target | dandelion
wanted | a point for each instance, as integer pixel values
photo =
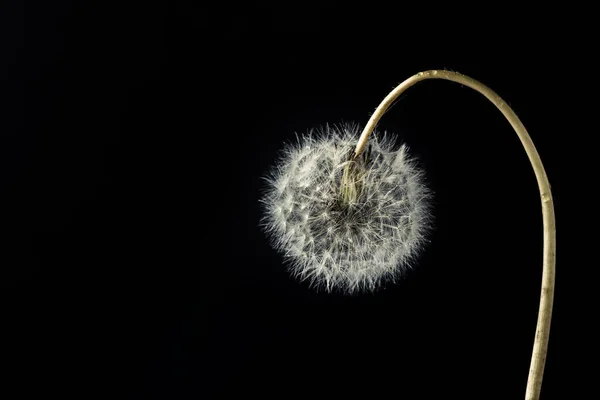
(350, 219)
(342, 222)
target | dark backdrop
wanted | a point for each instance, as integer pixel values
(134, 138)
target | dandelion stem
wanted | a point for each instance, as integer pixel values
(540, 345)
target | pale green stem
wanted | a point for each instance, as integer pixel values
(540, 345)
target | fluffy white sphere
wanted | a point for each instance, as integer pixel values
(346, 231)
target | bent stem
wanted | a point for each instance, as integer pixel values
(540, 345)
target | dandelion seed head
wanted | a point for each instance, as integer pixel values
(345, 224)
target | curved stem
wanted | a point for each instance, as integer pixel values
(540, 345)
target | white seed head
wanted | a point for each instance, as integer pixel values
(345, 223)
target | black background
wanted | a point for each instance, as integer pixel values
(134, 138)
